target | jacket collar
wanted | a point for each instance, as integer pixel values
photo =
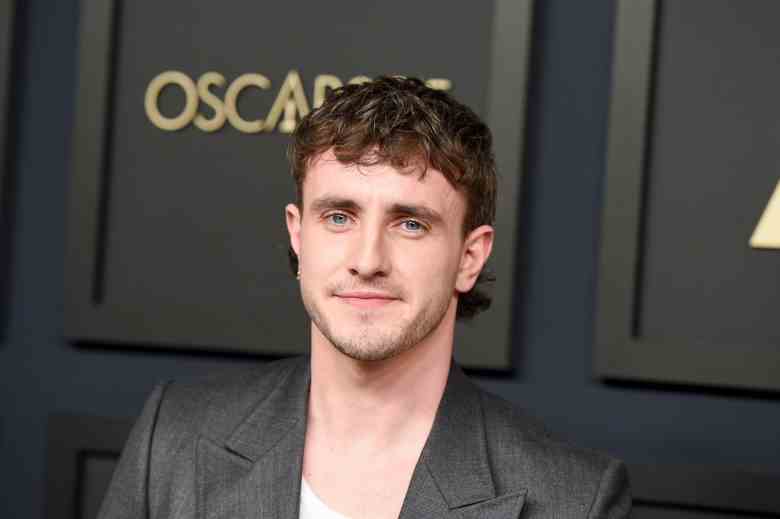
(256, 472)
(454, 464)
(456, 449)
(260, 466)
(281, 413)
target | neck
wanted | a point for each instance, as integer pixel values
(384, 403)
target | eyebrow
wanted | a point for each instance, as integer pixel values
(326, 203)
(417, 211)
(333, 202)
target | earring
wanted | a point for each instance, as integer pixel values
(298, 275)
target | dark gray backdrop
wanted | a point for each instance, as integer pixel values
(42, 374)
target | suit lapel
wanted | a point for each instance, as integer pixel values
(452, 478)
(257, 473)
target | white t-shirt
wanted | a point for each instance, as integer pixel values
(313, 508)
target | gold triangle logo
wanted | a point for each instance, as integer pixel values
(767, 232)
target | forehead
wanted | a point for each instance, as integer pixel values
(381, 184)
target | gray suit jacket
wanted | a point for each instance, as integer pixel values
(232, 448)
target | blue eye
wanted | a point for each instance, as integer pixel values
(337, 219)
(412, 225)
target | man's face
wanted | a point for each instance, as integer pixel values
(382, 255)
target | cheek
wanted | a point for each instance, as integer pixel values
(320, 252)
(432, 269)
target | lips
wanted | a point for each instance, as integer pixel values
(366, 299)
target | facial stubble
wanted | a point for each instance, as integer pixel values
(373, 338)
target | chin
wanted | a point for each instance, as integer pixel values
(366, 355)
(370, 345)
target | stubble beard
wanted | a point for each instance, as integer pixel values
(374, 339)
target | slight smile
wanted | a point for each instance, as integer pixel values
(366, 299)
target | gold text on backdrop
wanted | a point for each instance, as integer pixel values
(767, 232)
(289, 106)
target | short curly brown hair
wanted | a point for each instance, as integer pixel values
(404, 123)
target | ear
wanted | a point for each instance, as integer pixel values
(293, 216)
(476, 251)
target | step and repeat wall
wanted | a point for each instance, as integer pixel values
(175, 221)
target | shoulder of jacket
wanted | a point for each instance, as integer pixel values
(524, 446)
(213, 405)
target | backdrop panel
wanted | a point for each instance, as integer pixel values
(82, 452)
(692, 163)
(667, 491)
(176, 216)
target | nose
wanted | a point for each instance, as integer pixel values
(370, 256)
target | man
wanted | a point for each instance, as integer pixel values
(389, 235)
